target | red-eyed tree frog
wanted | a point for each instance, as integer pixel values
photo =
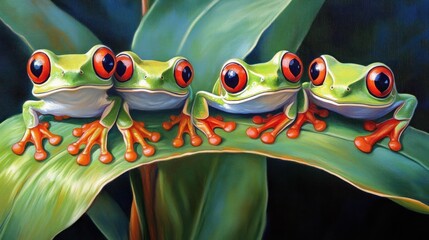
(150, 85)
(252, 89)
(358, 92)
(73, 85)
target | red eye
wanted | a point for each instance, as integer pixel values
(39, 67)
(291, 67)
(233, 77)
(379, 81)
(104, 62)
(317, 71)
(124, 68)
(183, 73)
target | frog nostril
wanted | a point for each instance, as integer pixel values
(331, 87)
(162, 77)
(145, 76)
(62, 73)
(81, 72)
(348, 89)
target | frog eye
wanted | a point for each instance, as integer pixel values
(317, 71)
(183, 73)
(291, 67)
(104, 62)
(124, 68)
(39, 67)
(233, 77)
(379, 81)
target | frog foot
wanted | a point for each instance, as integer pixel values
(60, 118)
(89, 135)
(208, 125)
(388, 128)
(185, 126)
(308, 116)
(137, 133)
(277, 122)
(36, 136)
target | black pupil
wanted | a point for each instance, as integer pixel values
(108, 63)
(231, 79)
(36, 67)
(186, 74)
(121, 68)
(382, 82)
(295, 67)
(314, 71)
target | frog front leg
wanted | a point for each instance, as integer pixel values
(184, 122)
(207, 123)
(392, 128)
(277, 122)
(307, 112)
(96, 133)
(36, 131)
(135, 132)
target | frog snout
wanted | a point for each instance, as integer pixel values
(340, 90)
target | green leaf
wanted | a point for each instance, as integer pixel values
(224, 197)
(208, 33)
(39, 199)
(108, 217)
(41, 24)
(289, 29)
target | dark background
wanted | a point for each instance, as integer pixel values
(304, 203)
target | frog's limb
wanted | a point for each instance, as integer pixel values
(306, 113)
(96, 133)
(277, 122)
(392, 128)
(36, 131)
(184, 122)
(135, 132)
(206, 123)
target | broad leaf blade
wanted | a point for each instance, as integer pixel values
(225, 198)
(41, 24)
(108, 216)
(289, 28)
(212, 31)
(58, 191)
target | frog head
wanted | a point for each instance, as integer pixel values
(346, 83)
(239, 80)
(52, 73)
(134, 74)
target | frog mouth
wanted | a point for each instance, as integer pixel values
(70, 89)
(135, 90)
(325, 101)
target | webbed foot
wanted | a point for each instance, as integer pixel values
(185, 126)
(387, 128)
(208, 125)
(277, 122)
(137, 133)
(308, 116)
(36, 135)
(89, 135)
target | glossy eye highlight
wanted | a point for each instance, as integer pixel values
(233, 77)
(183, 73)
(317, 71)
(39, 67)
(292, 67)
(104, 62)
(124, 68)
(380, 81)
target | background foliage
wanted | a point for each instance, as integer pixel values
(394, 32)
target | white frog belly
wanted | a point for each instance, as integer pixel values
(83, 103)
(357, 111)
(147, 100)
(264, 102)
